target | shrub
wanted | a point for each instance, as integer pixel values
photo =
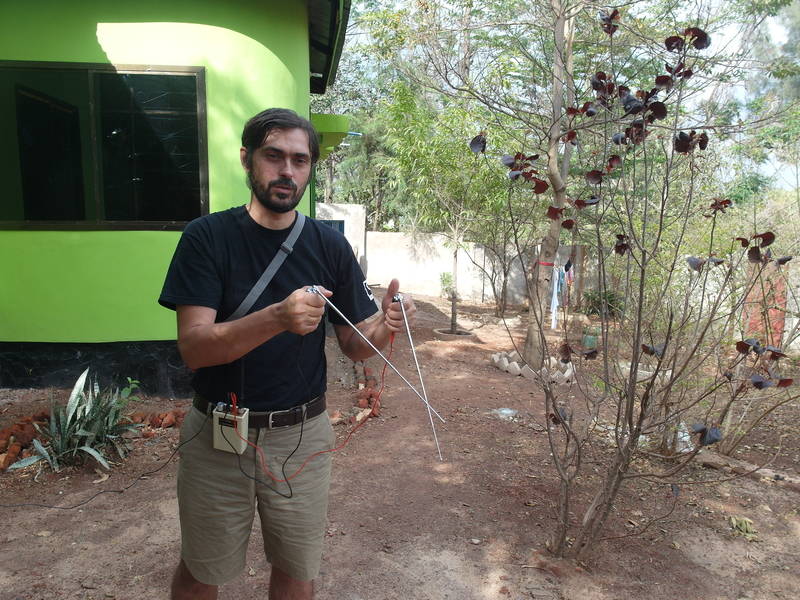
(91, 423)
(594, 302)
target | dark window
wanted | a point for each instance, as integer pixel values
(89, 146)
(49, 144)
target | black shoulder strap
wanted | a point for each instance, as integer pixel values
(263, 281)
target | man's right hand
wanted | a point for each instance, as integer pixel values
(302, 311)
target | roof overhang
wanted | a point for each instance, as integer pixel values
(327, 24)
(332, 129)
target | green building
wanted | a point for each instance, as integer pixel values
(119, 123)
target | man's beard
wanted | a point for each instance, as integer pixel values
(278, 202)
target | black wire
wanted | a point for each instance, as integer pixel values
(283, 466)
(127, 487)
(299, 440)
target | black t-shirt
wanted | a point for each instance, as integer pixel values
(218, 260)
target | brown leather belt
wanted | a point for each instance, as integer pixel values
(276, 418)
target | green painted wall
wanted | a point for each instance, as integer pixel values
(90, 286)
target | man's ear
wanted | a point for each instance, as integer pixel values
(243, 158)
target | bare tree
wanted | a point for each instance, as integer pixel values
(623, 168)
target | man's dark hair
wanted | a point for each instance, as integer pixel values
(257, 129)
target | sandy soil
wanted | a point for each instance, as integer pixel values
(402, 524)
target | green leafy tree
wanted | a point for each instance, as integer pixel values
(447, 185)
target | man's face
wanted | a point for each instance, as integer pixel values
(280, 169)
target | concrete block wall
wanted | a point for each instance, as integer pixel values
(418, 262)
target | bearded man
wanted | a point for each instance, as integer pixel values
(271, 359)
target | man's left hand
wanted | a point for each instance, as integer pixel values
(392, 313)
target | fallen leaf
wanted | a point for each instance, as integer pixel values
(102, 478)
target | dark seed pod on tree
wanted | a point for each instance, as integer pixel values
(708, 435)
(478, 143)
(508, 160)
(614, 161)
(754, 254)
(594, 177)
(720, 204)
(774, 353)
(695, 264)
(766, 238)
(598, 82)
(698, 38)
(621, 247)
(658, 110)
(674, 43)
(632, 105)
(760, 383)
(540, 186)
(591, 201)
(657, 351)
(664, 82)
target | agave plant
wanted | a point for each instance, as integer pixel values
(91, 423)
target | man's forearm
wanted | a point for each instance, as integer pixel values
(213, 344)
(204, 343)
(375, 330)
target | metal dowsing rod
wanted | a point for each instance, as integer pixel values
(399, 298)
(313, 290)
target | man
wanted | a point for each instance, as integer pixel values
(272, 359)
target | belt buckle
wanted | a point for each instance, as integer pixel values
(273, 413)
(303, 408)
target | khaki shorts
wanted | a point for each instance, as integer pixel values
(217, 502)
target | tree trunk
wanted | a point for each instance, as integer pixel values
(580, 276)
(454, 295)
(378, 196)
(541, 271)
(501, 307)
(596, 515)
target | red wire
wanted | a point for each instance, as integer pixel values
(375, 406)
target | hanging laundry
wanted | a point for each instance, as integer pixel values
(558, 274)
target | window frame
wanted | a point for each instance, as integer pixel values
(96, 159)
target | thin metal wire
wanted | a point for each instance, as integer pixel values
(314, 290)
(399, 298)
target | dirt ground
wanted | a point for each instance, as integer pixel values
(402, 524)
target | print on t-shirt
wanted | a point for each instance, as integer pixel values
(368, 291)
